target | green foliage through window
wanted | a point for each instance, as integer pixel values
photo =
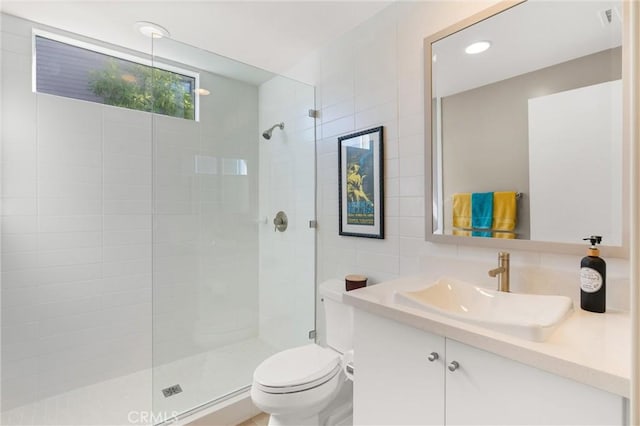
(144, 88)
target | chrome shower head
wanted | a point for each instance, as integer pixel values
(267, 133)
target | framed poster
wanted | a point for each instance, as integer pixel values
(360, 177)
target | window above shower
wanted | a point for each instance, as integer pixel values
(75, 69)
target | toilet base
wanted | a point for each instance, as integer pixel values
(276, 420)
(338, 413)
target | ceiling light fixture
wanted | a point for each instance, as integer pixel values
(150, 29)
(477, 47)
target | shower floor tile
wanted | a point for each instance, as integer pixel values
(112, 402)
(208, 376)
(129, 400)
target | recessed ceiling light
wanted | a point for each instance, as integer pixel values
(477, 47)
(150, 29)
(202, 92)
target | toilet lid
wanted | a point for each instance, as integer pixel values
(297, 366)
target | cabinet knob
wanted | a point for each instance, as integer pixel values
(453, 366)
(433, 356)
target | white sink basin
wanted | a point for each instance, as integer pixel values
(528, 316)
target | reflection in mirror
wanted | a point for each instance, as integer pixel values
(526, 135)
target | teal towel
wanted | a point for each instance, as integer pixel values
(481, 213)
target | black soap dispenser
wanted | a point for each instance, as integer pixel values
(593, 278)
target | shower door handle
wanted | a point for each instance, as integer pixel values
(280, 222)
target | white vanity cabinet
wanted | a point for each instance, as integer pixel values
(397, 383)
(493, 390)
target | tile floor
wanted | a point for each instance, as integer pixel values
(261, 419)
(208, 376)
(128, 400)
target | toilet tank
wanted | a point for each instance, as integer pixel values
(338, 317)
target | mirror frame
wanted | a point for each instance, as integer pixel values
(526, 245)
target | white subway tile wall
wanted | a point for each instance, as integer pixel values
(205, 246)
(78, 234)
(76, 305)
(287, 183)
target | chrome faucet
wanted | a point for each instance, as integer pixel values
(502, 271)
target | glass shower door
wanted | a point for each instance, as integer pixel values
(228, 289)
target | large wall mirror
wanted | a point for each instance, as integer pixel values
(524, 117)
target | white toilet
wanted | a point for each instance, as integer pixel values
(306, 385)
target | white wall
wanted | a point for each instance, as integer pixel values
(77, 195)
(205, 234)
(575, 145)
(76, 231)
(374, 75)
(287, 183)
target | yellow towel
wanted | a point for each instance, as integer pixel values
(504, 235)
(461, 233)
(504, 211)
(462, 210)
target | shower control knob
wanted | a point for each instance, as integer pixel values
(280, 222)
(433, 356)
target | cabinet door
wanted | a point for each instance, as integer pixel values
(394, 381)
(490, 390)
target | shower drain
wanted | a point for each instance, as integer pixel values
(171, 390)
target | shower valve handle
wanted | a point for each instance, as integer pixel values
(280, 222)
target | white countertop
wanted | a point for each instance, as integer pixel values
(589, 348)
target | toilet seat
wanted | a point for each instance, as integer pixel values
(297, 369)
(298, 388)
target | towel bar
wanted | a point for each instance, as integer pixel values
(519, 195)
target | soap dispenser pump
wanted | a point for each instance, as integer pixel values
(593, 278)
